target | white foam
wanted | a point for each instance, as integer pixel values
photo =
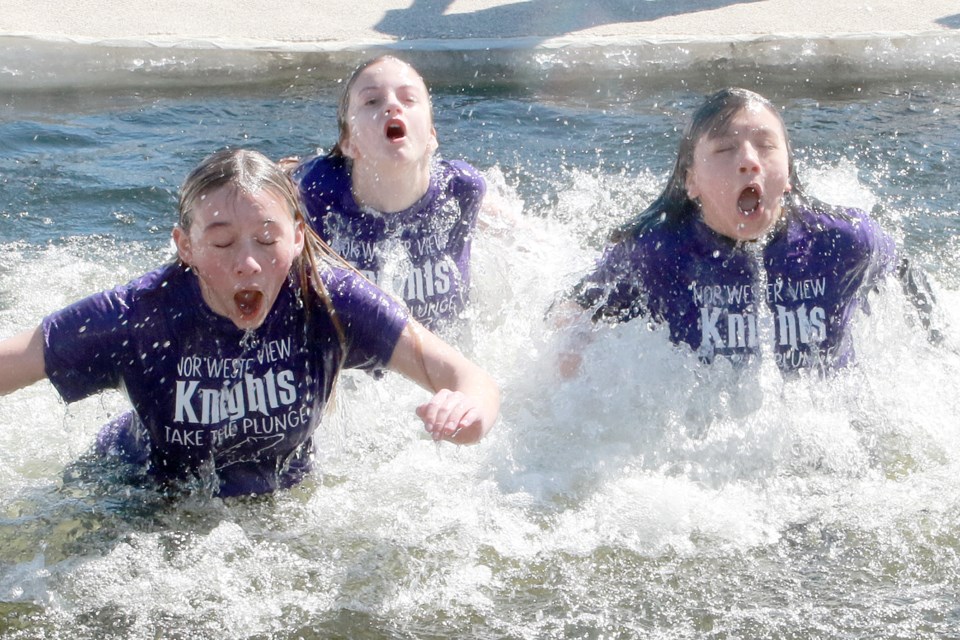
(645, 464)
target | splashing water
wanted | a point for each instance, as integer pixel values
(649, 496)
(249, 339)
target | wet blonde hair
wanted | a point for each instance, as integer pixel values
(251, 171)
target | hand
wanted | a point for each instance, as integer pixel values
(466, 400)
(452, 416)
(568, 364)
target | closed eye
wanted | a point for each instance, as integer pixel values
(723, 144)
(411, 94)
(766, 139)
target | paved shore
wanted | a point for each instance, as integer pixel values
(325, 25)
(85, 43)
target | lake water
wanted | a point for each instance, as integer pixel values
(649, 497)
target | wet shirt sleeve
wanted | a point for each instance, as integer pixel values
(866, 251)
(469, 188)
(613, 290)
(882, 251)
(85, 345)
(322, 181)
(371, 319)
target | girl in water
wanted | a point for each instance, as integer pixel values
(733, 251)
(384, 200)
(230, 353)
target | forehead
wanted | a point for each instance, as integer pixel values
(388, 71)
(753, 117)
(230, 205)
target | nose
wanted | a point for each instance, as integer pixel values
(246, 264)
(749, 159)
(391, 104)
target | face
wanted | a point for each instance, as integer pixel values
(241, 246)
(740, 176)
(389, 115)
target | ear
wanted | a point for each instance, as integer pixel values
(184, 247)
(299, 236)
(432, 143)
(693, 189)
(347, 148)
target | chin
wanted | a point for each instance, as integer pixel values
(749, 235)
(754, 229)
(248, 323)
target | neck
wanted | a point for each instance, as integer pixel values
(389, 188)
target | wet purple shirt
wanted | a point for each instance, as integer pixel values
(715, 297)
(209, 396)
(421, 253)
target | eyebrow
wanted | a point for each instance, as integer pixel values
(221, 224)
(733, 132)
(217, 224)
(376, 87)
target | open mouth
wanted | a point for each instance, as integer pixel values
(749, 200)
(395, 130)
(248, 302)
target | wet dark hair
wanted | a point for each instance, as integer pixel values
(711, 119)
(343, 105)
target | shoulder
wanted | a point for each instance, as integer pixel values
(372, 321)
(163, 280)
(849, 225)
(652, 241)
(354, 295)
(461, 169)
(847, 236)
(155, 288)
(114, 316)
(324, 184)
(320, 170)
(461, 177)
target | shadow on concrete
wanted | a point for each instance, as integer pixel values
(952, 22)
(536, 19)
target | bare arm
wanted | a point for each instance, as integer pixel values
(569, 318)
(466, 399)
(21, 360)
(920, 294)
(497, 216)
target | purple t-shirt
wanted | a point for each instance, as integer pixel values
(422, 254)
(211, 397)
(817, 269)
